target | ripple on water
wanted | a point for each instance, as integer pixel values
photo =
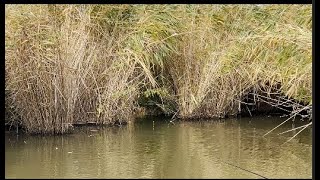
(183, 150)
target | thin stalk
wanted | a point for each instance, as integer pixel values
(293, 129)
(298, 133)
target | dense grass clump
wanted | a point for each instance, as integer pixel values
(68, 64)
(61, 71)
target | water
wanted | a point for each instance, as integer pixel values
(158, 149)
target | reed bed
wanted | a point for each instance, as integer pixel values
(59, 72)
(68, 64)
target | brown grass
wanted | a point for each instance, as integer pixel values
(90, 63)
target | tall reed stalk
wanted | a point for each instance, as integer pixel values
(68, 64)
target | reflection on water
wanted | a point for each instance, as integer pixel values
(163, 150)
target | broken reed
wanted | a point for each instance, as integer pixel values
(91, 63)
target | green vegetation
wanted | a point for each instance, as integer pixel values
(98, 63)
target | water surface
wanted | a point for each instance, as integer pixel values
(154, 148)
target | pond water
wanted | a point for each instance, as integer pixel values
(155, 148)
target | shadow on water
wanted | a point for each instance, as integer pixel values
(154, 148)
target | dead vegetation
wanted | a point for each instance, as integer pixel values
(68, 64)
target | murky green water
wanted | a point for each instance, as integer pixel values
(159, 149)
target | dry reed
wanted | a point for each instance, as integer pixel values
(69, 64)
